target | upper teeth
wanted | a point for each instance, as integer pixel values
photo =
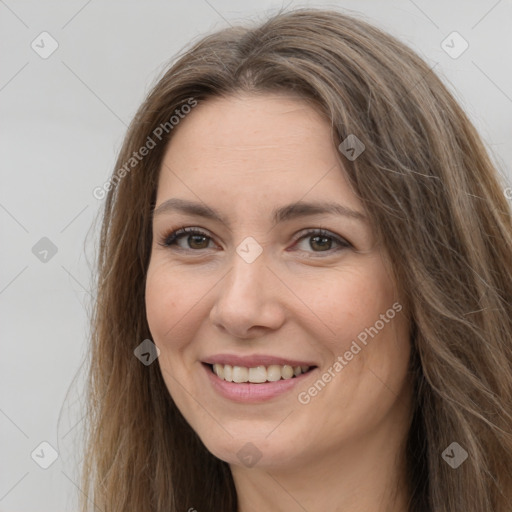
(257, 374)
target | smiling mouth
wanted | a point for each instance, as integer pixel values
(258, 374)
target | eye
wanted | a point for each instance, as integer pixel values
(195, 239)
(321, 241)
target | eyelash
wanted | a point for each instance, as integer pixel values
(170, 238)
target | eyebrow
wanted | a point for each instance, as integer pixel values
(281, 214)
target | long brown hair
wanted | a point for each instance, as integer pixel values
(435, 201)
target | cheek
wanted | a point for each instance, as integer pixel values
(160, 303)
(365, 326)
(369, 332)
(170, 312)
(346, 302)
(168, 302)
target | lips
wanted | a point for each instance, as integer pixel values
(258, 389)
(255, 360)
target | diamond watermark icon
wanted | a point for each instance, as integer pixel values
(351, 147)
(44, 455)
(454, 45)
(249, 249)
(146, 352)
(249, 455)
(44, 250)
(44, 45)
(454, 455)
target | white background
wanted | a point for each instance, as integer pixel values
(62, 122)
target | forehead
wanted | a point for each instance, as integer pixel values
(254, 146)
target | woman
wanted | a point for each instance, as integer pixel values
(305, 291)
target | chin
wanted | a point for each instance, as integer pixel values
(261, 447)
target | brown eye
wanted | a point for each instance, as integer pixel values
(321, 241)
(194, 239)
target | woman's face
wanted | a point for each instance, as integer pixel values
(260, 293)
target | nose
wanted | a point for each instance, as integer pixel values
(248, 302)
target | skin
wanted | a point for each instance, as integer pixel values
(344, 450)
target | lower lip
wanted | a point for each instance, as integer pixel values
(247, 392)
